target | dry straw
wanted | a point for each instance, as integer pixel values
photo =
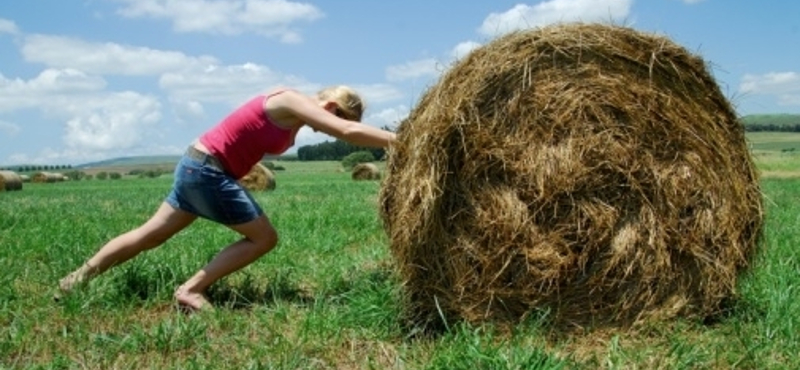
(10, 180)
(366, 171)
(259, 178)
(593, 172)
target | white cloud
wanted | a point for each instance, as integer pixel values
(524, 16)
(65, 80)
(418, 68)
(388, 117)
(463, 49)
(378, 93)
(188, 110)
(227, 84)
(94, 119)
(789, 100)
(429, 68)
(307, 136)
(108, 122)
(190, 114)
(106, 58)
(20, 158)
(785, 86)
(7, 26)
(270, 18)
(20, 94)
(774, 82)
(9, 128)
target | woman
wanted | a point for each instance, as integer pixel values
(206, 182)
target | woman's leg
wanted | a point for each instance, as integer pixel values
(259, 237)
(166, 222)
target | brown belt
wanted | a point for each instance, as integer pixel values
(204, 158)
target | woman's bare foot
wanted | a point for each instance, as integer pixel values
(192, 301)
(70, 282)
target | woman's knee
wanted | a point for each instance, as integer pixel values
(269, 239)
(260, 233)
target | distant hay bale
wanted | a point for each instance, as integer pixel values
(40, 177)
(591, 171)
(366, 171)
(10, 180)
(259, 178)
(47, 177)
(25, 178)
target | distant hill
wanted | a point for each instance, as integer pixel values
(132, 161)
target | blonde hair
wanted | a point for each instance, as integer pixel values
(350, 105)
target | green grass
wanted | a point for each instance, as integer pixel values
(776, 153)
(327, 297)
(774, 141)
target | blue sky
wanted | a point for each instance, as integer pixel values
(87, 80)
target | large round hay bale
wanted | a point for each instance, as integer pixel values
(591, 171)
(366, 171)
(259, 178)
(10, 180)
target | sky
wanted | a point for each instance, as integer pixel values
(89, 80)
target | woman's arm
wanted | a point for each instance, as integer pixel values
(312, 114)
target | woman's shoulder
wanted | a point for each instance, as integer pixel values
(283, 105)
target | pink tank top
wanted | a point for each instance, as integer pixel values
(243, 138)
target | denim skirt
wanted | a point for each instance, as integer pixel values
(210, 193)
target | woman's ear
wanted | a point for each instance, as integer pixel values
(331, 106)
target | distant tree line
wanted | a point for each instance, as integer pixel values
(772, 127)
(334, 151)
(32, 168)
(772, 122)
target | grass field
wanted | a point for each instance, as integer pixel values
(777, 154)
(327, 297)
